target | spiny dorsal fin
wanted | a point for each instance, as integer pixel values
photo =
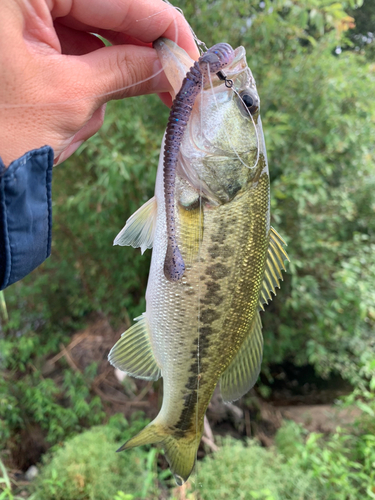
(139, 228)
(133, 352)
(274, 265)
(191, 232)
(242, 373)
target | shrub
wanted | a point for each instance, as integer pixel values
(248, 471)
(60, 411)
(86, 467)
(342, 464)
(335, 467)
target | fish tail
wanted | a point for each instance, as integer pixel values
(180, 448)
(181, 453)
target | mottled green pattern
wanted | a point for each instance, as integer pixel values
(232, 261)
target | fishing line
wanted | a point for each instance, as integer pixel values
(202, 47)
(254, 125)
(80, 99)
(200, 241)
(156, 13)
(225, 130)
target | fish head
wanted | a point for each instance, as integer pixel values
(223, 149)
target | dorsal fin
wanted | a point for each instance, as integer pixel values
(133, 352)
(274, 265)
(242, 373)
(140, 227)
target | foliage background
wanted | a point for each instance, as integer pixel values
(316, 82)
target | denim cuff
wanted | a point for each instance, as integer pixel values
(25, 214)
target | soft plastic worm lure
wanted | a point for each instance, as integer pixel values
(212, 61)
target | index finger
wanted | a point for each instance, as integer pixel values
(145, 20)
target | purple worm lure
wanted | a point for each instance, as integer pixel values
(212, 61)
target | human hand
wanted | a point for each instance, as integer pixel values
(56, 75)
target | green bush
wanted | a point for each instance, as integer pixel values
(87, 467)
(289, 439)
(301, 467)
(343, 464)
(336, 467)
(247, 471)
(59, 410)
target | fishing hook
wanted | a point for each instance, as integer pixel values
(223, 77)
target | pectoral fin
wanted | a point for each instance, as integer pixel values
(242, 373)
(140, 227)
(274, 265)
(133, 352)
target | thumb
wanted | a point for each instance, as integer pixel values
(120, 71)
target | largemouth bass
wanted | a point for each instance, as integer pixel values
(203, 326)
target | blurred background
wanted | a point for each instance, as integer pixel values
(306, 431)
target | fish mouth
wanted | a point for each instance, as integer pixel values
(176, 63)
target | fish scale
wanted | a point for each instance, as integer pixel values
(204, 328)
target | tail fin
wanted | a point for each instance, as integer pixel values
(180, 451)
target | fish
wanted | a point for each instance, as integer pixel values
(203, 327)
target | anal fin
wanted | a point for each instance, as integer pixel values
(180, 450)
(242, 373)
(133, 352)
(140, 227)
(274, 265)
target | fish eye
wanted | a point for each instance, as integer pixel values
(250, 101)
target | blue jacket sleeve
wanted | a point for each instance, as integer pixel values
(25, 214)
